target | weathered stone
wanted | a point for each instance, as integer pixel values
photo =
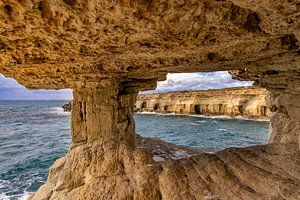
(246, 102)
(107, 51)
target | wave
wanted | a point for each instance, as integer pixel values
(252, 119)
(213, 117)
(23, 196)
(4, 197)
(205, 116)
(58, 111)
(154, 113)
(147, 113)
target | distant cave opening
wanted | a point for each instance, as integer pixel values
(240, 109)
(197, 109)
(144, 105)
(156, 107)
(221, 108)
(166, 108)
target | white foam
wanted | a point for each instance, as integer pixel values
(167, 113)
(202, 116)
(154, 113)
(213, 117)
(147, 113)
(58, 111)
(202, 121)
(252, 119)
(4, 197)
(25, 196)
(3, 183)
(205, 116)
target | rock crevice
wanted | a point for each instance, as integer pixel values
(107, 51)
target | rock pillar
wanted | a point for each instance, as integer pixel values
(103, 114)
(102, 150)
(284, 123)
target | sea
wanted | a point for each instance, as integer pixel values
(33, 134)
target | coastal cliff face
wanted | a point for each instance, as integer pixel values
(246, 102)
(108, 51)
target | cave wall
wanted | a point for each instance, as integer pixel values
(105, 162)
(246, 102)
(108, 51)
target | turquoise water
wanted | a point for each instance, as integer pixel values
(33, 134)
(199, 131)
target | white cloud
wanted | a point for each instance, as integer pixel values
(10, 89)
(198, 81)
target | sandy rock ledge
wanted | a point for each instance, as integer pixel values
(107, 51)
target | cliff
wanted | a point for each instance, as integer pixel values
(246, 102)
(107, 51)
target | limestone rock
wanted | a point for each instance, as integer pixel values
(246, 102)
(107, 51)
(66, 43)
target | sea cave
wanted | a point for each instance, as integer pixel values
(109, 51)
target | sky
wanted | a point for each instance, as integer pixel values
(11, 90)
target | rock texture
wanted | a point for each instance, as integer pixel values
(246, 102)
(67, 107)
(107, 51)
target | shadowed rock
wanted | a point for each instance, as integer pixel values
(108, 51)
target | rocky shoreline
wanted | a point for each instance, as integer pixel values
(248, 103)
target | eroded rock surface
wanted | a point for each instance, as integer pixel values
(67, 107)
(107, 51)
(246, 102)
(66, 43)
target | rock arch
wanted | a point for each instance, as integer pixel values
(108, 51)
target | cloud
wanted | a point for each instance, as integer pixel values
(25, 94)
(10, 89)
(198, 81)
